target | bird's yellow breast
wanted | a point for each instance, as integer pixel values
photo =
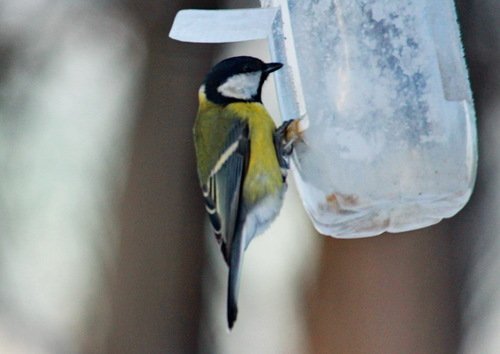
(263, 176)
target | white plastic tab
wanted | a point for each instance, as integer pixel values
(222, 26)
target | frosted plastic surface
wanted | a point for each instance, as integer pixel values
(392, 142)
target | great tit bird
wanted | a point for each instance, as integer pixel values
(242, 160)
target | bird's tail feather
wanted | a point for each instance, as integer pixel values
(235, 265)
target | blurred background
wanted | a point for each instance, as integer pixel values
(103, 242)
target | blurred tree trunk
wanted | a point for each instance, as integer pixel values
(157, 291)
(403, 293)
(477, 229)
(387, 294)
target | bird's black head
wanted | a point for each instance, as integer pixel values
(238, 79)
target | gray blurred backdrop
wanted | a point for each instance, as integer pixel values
(103, 242)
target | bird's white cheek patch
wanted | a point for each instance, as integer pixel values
(241, 86)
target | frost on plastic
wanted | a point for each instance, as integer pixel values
(391, 143)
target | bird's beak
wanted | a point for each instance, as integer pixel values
(270, 67)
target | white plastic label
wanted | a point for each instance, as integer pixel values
(222, 26)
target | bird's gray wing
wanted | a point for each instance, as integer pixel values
(222, 190)
(222, 193)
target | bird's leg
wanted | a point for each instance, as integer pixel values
(284, 147)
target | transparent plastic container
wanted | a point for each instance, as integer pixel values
(391, 144)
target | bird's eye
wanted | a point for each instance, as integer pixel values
(246, 68)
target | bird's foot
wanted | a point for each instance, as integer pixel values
(284, 146)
